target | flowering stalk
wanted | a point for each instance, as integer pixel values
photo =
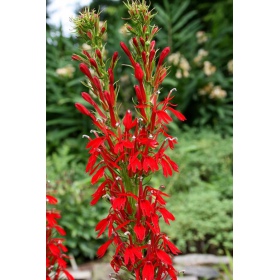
(55, 249)
(126, 151)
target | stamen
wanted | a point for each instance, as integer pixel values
(118, 178)
(85, 136)
(127, 233)
(117, 124)
(106, 196)
(133, 137)
(150, 136)
(174, 89)
(158, 92)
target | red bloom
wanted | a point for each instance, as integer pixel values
(103, 248)
(51, 199)
(164, 257)
(140, 231)
(166, 215)
(131, 254)
(148, 271)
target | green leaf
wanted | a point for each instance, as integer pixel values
(183, 21)
(180, 11)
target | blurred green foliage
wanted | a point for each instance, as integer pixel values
(201, 60)
(73, 190)
(201, 194)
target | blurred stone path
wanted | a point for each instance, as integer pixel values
(196, 267)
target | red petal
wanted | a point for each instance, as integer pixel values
(163, 116)
(146, 207)
(60, 230)
(82, 109)
(119, 203)
(164, 257)
(98, 175)
(140, 231)
(172, 247)
(95, 143)
(54, 249)
(166, 215)
(167, 171)
(178, 114)
(103, 248)
(51, 199)
(62, 263)
(148, 271)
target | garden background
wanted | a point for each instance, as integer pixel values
(200, 35)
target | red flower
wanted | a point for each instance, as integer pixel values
(164, 257)
(103, 248)
(131, 254)
(140, 231)
(148, 271)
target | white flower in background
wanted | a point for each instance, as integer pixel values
(86, 47)
(206, 89)
(66, 71)
(104, 53)
(184, 64)
(218, 93)
(177, 59)
(92, 72)
(200, 55)
(202, 52)
(201, 37)
(208, 68)
(178, 74)
(174, 58)
(124, 79)
(230, 66)
(186, 73)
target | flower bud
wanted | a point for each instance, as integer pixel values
(139, 74)
(89, 34)
(85, 70)
(76, 57)
(86, 53)
(163, 55)
(98, 53)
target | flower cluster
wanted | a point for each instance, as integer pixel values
(66, 72)
(201, 37)
(214, 92)
(126, 150)
(55, 250)
(183, 66)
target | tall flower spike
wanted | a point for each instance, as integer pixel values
(126, 149)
